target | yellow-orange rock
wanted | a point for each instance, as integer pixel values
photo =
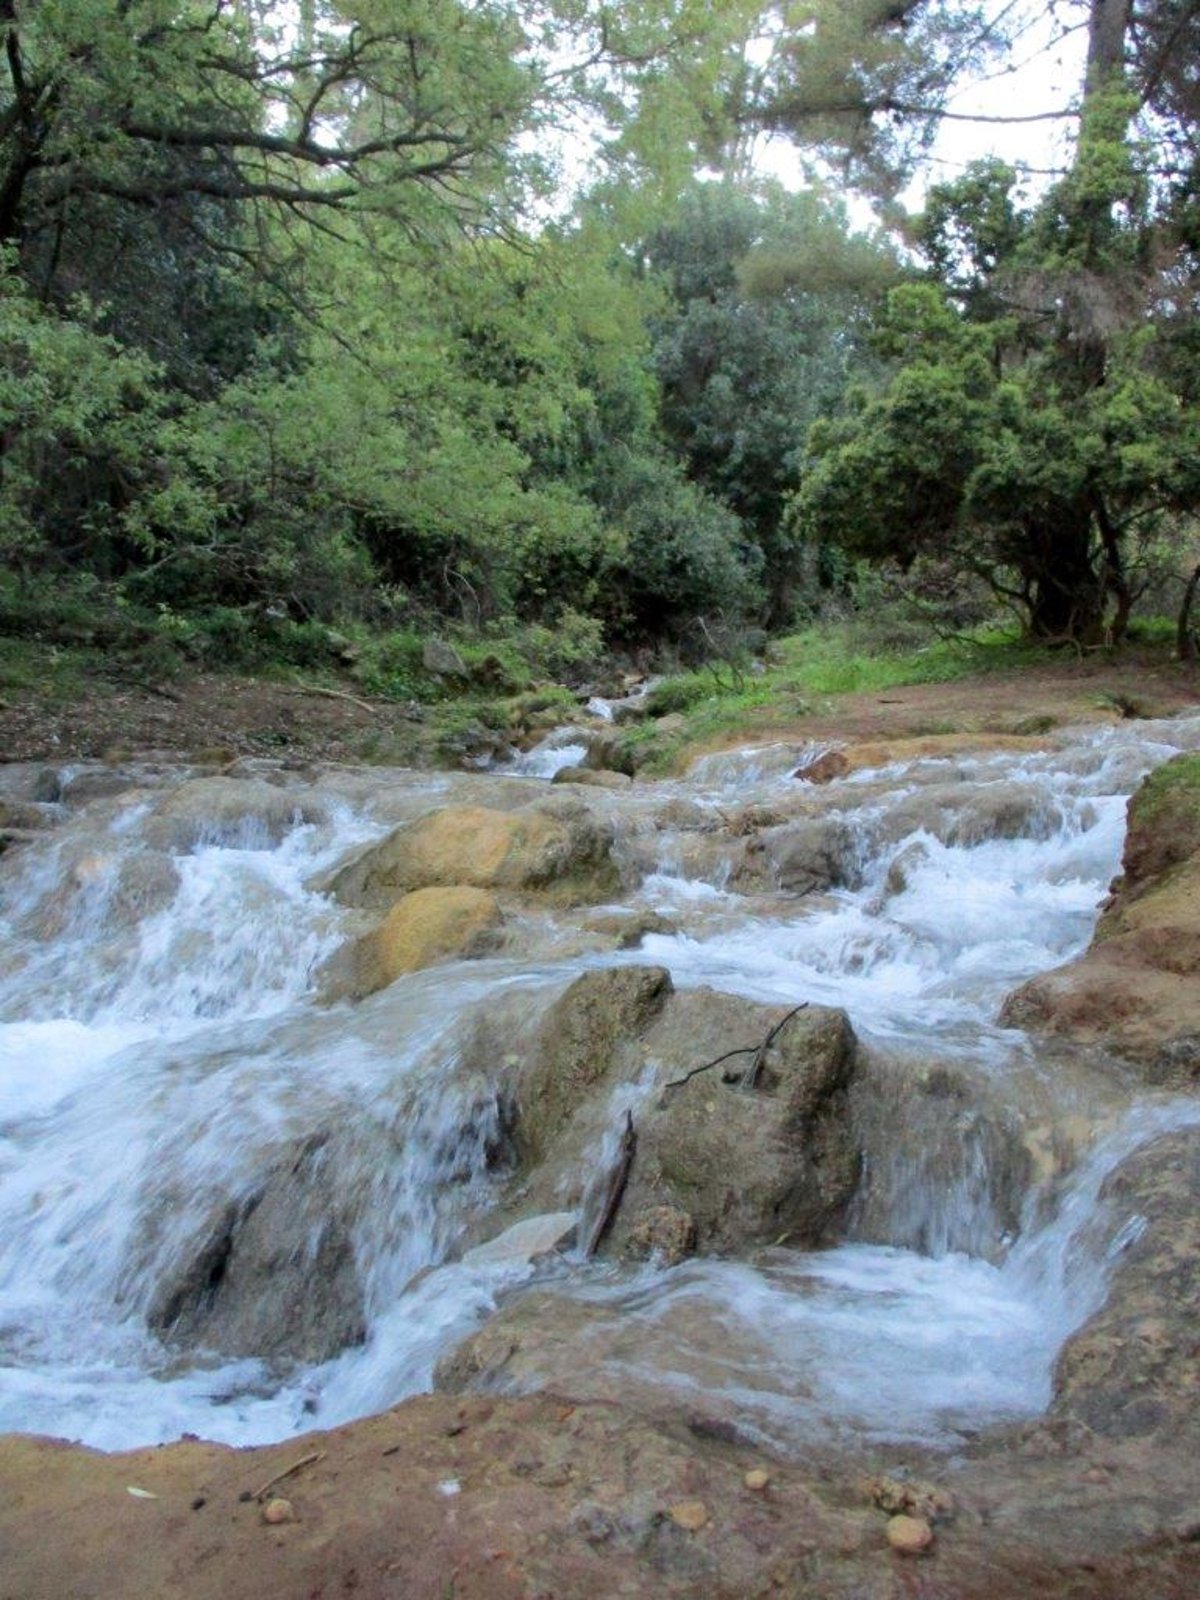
(425, 927)
(562, 851)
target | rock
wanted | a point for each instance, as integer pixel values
(1164, 824)
(1133, 1370)
(592, 777)
(946, 1166)
(912, 1497)
(474, 746)
(824, 768)
(691, 1515)
(1135, 989)
(274, 1272)
(25, 816)
(443, 660)
(910, 1536)
(588, 1038)
(1177, 1064)
(777, 1163)
(238, 813)
(609, 750)
(112, 891)
(757, 1479)
(663, 1234)
(629, 928)
(423, 928)
(674, 722)
(48, 787)
(567, 855)
(526, 1241)
(277, 1511)
(800, 857)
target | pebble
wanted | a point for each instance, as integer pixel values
(909, 1536)
(278, 1511)
(757, 1479)
(689, 1514)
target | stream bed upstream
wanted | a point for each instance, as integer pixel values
(162, 1047)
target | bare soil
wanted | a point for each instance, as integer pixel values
(207, 715)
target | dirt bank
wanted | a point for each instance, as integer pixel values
(206, 714)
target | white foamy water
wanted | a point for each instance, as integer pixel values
(161, 1064)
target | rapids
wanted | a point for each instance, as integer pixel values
(154, 1062)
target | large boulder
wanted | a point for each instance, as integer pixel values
(560, 851)
(590, 1039)
(947, 1161)
(241, 813)
(742, 1166)
(802, 857)
(1134, 1369)
(777, 1163)
(273, 1273)
(425, 927)
(1136, 989)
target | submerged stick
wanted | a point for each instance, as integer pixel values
(614, 1188)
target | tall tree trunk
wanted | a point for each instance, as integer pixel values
(1108, 28)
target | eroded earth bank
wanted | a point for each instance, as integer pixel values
(780, 1180)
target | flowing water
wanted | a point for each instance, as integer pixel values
(162, 1058)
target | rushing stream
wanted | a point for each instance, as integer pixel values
(160, 1039)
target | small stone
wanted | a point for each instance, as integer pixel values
(689, 1514)
(910, 1536)
(276, 1511)
(757, 1479)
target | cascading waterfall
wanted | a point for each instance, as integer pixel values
(160, 1071)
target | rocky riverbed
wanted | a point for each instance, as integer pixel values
(766, 1214)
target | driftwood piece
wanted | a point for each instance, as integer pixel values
(614, 1188)
(334, 694)
(296, 1466)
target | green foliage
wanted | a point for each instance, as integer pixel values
(745, 371)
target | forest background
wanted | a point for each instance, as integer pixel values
(314, 347)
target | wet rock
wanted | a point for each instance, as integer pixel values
(967, 815)
(1133, 1370)
(238, 813)
(1177, 1064)
(566, 854)
(25, 816)
(946, 1166)
(801, 857)
(526, 1241)
(825, 768)
(609, 750)
(775, 1163)
(1135, 989)
(588, 1039)
(105, 889)
(663, 1234)
(912, 1497)
(47, 786)
(273, 1275)
(629, 928)
(592, 777)
(422, 929)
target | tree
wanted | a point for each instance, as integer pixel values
(1038, 422)
(757, 342)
